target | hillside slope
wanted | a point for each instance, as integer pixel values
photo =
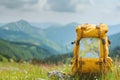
(23, 51)
(115, 40)
(63, 35)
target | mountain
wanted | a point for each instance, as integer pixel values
(22, 41)
(113, 29)
(115, 40)
(22, 31)
(115, 45)
(23, 26)
(1, 24)
(51, 36)
(46, 25)
(63, 35)
(22, 51)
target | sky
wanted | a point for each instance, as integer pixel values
(61, 11)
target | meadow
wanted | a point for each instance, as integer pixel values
(27, 71)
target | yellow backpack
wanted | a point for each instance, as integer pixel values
(91, 49)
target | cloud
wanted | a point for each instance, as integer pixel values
(16, 4)
(68, 5)
(117, 7)
(60, 5)
(60, 10)
(47, 5)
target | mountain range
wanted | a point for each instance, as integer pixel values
(66, 34)
(22, 31)
(22, 40)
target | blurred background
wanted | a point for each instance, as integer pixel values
(42, 30)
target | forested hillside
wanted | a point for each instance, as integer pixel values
(22, 51)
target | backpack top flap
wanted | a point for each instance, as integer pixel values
(91, 30)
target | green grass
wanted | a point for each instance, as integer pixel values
(26, 71)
